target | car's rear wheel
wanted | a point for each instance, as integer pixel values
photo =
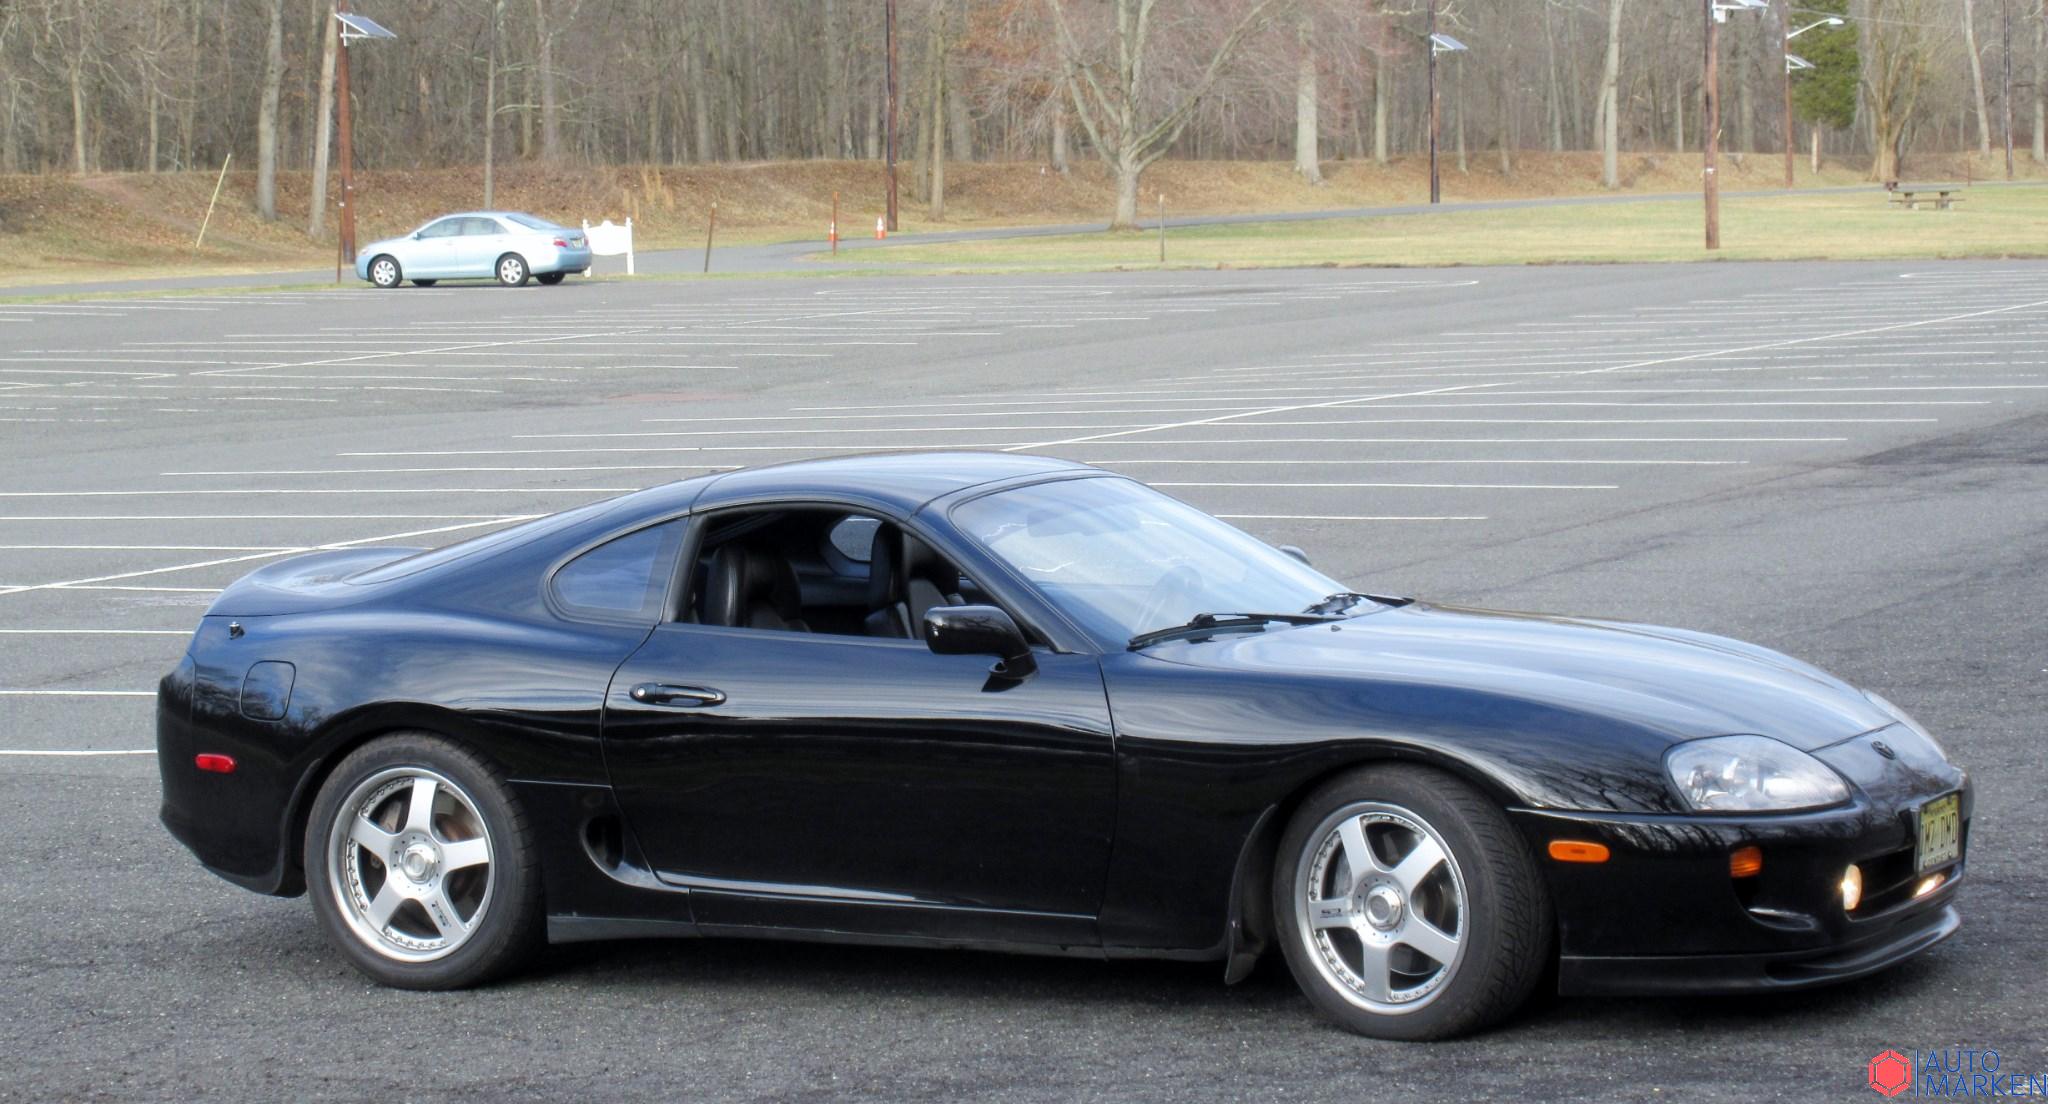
(421, 865)
(550, 278)
(425, 283)
(512, 270)
(1407, 906)
(385, 273)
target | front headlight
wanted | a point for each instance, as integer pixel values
(1751, 774)
(1906, 719)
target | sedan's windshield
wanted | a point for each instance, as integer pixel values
(1123, 559)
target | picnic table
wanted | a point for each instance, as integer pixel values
(1911, 196)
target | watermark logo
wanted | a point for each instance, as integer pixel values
(1891, 1073)
(1949, 1073)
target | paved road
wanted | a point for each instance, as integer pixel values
(801, 256)
(1843, 461)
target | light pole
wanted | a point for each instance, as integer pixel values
(1792, 63)
(1438, 44)
(889, 39)
(352, 27)
(1717, 14)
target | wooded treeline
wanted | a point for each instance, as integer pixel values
(147, 85)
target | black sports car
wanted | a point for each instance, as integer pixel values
(1009, 702)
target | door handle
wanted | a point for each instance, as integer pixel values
(656, 693)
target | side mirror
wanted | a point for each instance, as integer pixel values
(415, 235)
(979, 630)
(1296, 552)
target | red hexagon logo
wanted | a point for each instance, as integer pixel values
(1891, 1073)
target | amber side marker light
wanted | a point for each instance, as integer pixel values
(1746, 862)
(214, 763)
(1578, 851)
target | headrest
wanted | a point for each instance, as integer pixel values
(741, 578)
(885, 578)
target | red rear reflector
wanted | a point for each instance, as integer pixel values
(218, 764)
(1578, 851)
(560, 244)
(1746, 862)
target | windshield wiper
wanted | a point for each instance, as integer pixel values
(1210, 622)
(1345, 599)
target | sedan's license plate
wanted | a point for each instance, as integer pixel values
(1940, 832)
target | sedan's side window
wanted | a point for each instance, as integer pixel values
(625, 577)
(480, 227)
(446, 228)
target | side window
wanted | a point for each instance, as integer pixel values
(480, 227)
(854, 537)
(626, 576)
(446, 228)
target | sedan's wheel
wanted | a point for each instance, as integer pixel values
(421, 866)
(1407, 906)
(512, 270)
(550, 278)
(384, 272)
(424, 283)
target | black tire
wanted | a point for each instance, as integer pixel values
(425, 283)
(1487, 883)
(410, 948)
(385, 271)
(550, 278)
(511, 270)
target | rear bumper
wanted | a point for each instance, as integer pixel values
(562, 260)
(1697, 975)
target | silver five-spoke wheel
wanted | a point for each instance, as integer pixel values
(1383, 906)
(409, 861)
(1407, 905)
(384, 272)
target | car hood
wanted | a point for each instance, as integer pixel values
(1680, 684)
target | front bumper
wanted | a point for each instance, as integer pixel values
(1675, 975)
(1663, 915)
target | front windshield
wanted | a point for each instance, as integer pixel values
(1121, 558)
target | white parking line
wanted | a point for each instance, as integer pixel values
(70, 583)
(76, 754)
(95, 632)
(1405, 486)
(78, 693)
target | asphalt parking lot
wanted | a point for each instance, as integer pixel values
(1842, 461)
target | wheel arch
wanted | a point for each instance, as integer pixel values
(340, 739)
(1249, 928)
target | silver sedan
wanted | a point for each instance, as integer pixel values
(507, 246)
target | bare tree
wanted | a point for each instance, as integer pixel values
(1610, 104)
(1976, 75)
(1112, 98)
(1897, 50)
(1307, 134)
(266, 116)
(323, 124)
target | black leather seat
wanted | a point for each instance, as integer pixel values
(751, 589)
(906, 579)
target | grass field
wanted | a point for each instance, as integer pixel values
(1994, 221)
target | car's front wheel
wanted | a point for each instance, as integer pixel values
(512, 270)
(421, 865)
(1407, 906)
(385, 273)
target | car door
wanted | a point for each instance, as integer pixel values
(477, 251)
(850, 783)
(432, 254)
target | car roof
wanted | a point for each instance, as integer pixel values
(485, 214)
(902, 481)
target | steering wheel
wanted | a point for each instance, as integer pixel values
(1177, 583)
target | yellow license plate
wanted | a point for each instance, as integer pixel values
(1941, 836)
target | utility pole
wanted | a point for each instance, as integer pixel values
(2005, 13)
(1711, 135)
(1785, 64)
(1435, 120)
(346, 137)
(889, 37)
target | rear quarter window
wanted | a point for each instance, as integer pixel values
(624, 577)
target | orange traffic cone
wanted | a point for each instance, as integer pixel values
(881, 229)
